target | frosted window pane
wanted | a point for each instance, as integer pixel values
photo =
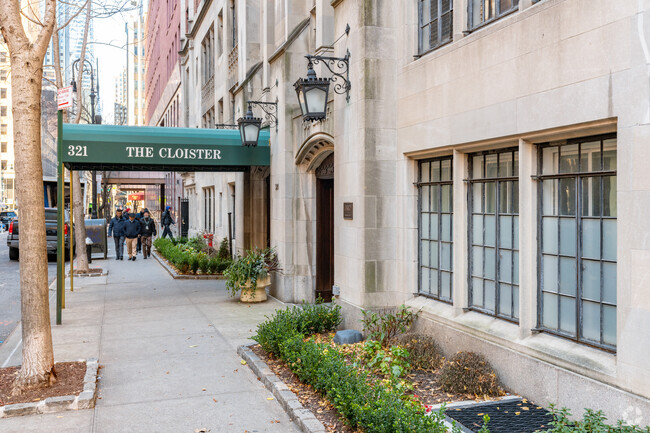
(591, 321)
(515, 198)
(477, 229)
(434, 281)
(505, 232)
(477, 261)
(434, 226)
(515, 302)
(446, 198)
(549, 192)
(445, 173)
(490, 295)
(591, 196)
(424, 231)
(550, 311)
(505, 164)
(609, 325)
(505, 265)
(435, 198)
(490, 230)
(477, 197)
(549, 160)
(515, 233)
(424, 286)
(435, 171)
(445, 260)
(504, 197)
(445, 285)
(425, 254)
(609, 154)
(590, 156)
(591, 280)
(490, 197)
(446, 227)
(609, 283)
(491, 165)
(609, 239)
(424, 171)
(425, 199)
(433, 254)
(568, 276)
(477, 292)
(477, 167)
(550, 273)
(568, 315)
(505, 299)
(591, 238)
(567, 196)
(568, 236)
(489, 263)
(549, 235)
(515, 267)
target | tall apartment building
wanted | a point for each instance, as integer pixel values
(120, 110)
(136, 69)
(491, 162)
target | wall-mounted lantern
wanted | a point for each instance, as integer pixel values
(249, 128)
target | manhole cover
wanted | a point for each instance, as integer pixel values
(514, 416)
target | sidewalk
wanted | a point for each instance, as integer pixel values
(168, 351)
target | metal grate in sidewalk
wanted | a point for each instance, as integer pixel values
(518, 416)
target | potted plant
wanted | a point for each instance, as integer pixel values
(251, 274)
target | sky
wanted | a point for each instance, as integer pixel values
(110, 38)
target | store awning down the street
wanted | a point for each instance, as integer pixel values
(140, 148)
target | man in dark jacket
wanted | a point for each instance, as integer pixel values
(116, 230)
(131, 232)
(139, 217)
(147, 232)
(166, 220)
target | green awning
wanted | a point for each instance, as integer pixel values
(111, 147)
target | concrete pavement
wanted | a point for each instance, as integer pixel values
(168, 354)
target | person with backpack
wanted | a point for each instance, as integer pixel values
(116, 231)
(166, 220)
(147, 232)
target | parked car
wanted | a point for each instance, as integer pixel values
(7, 216)
(13, 241)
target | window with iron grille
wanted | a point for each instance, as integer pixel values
(577, 240)
(484, 11)
(494, 233)
(435, 228)
(435, 19)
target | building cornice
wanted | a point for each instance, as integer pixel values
(198, 18)
(335, 3)
(249, 75)
(292, 37)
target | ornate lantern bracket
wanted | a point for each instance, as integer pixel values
(340, 69)
(270, 111)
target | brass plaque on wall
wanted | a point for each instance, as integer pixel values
(348, 211)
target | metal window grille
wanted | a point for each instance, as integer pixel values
(435, 19)
(435, 228)
(493, 202)
(481, 12)
(577, 240)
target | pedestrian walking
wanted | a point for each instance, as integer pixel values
(166, 220)
(116, 231)
(139, 217)
(147, 232)
(131, 232)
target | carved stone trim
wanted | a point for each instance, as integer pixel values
(326, 168)
(314, 150)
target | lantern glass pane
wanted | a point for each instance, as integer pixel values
(316, 99)
(301, 100)
(250, 132)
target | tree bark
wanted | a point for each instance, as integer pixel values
(26, 82)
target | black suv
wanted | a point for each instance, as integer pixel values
(7, 216)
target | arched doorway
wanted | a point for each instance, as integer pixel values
(325, 228)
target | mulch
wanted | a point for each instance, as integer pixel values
(308, 396)
(427, 389)
(70, 381)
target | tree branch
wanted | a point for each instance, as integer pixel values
(75, 15)
(45, 34)
(11, 26)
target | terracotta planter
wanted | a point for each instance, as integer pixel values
(257, 295)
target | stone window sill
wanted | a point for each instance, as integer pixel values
(555, 350)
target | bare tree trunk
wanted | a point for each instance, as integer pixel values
(26, 82)
(79, 211)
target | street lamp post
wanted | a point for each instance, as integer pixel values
(88, 66)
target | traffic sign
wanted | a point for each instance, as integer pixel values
(64, 97)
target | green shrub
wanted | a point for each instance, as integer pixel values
(372, 406)
(243, 273)
(224, 250)
(393, 362)
(385, 325)
(469, 373)
(425, 354)
(204, 264)
(591, 422)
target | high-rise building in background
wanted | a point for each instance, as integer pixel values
(135, 68)
(7, 175)
(121, 100)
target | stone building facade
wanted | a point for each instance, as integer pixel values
(488, 170)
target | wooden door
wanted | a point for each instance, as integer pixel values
(325, 238)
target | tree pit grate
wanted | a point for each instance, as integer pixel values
(518, 416)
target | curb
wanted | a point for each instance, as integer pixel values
(302, 417)
(175, 275)
(85, 400)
